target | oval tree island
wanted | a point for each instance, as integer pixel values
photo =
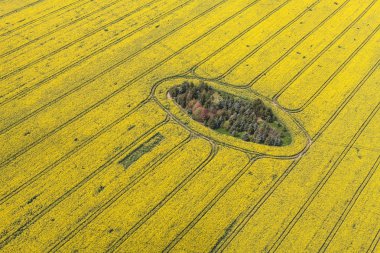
(251, 121)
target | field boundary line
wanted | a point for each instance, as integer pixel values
(350, 205)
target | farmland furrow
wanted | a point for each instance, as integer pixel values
(241, 76)
(375, 242)
(97, 156)
(52, 33)
(362, 222)
(19, 43)
(347, 88)
(247, 78)
(60, 159)
(214, 200)
(198, 192)
(318, 19)
(238, 36)
(118, 63)
(346, 101)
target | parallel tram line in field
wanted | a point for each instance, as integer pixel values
(158, 161)
(33, 113)
(19, 231)
(128, 14)
(276, 62)
(205, 210)
(290, 50)
(71, 153)
(21, 8)
(374, 243)
(212, 154)
(44, 16)
(26, 91)
(247, 30)
(194, 68)
(113, 42)
(28, 147)
(287, 85)
(113, 66)
(322, 182)
(168, 197)
(52, 31)
(23, 93)
(270, 38)
(345, 102)
(336, 72)
(115, 157)
(349, 206)
(66, 156)
(223, 244)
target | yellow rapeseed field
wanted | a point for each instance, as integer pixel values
(96, 157)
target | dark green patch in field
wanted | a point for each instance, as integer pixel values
(144, 148)
(227, 231)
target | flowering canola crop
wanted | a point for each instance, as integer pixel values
(84, 87)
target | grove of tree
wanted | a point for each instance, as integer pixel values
(249, 120)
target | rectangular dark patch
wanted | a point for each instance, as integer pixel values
(144, 148)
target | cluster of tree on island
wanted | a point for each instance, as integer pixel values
(249, 120)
